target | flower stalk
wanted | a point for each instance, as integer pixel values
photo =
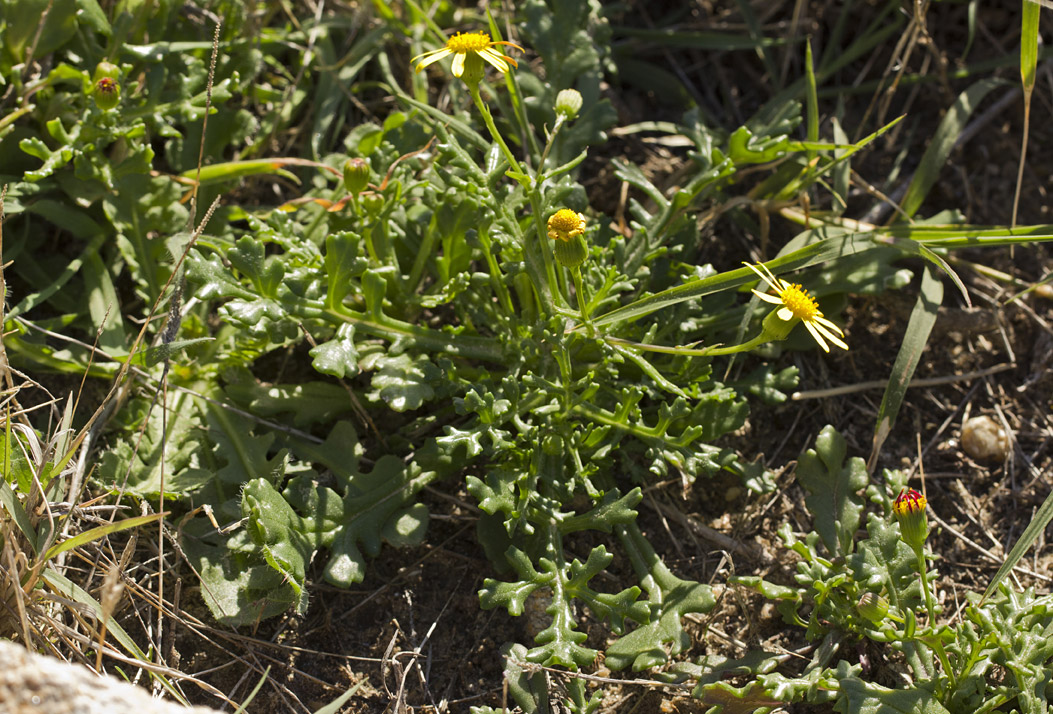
(909, 509)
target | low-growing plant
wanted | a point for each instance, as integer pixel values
(429, 300)
(518, 344)
(870, 602)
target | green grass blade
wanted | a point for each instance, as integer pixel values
(918, 330)
(33, 299)
(756, 33)
(812, 100)
(937, 260)
(9, 501)
(334, 706)
(829, 248)
(242, 708)
(951, 127)
(1029, 44)
(96, 533)
(952, 237)
(1031, 534)
(1028, 65)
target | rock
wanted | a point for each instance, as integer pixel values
(36, 684)
(984, 439)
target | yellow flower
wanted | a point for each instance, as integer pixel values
(567, 229)
(565, 225)
(461, 44)
(796, 303)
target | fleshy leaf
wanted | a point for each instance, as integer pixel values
(833, 490)
(337, 357)
(672, 598)
(861, 697)
(405, 382)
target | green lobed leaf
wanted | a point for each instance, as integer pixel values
(352, 516)
(284, 538)
(833, 490)
(338, 357)
(861, 697)
(403, 382)
(671, 598)
(308, 403)
(138, 467)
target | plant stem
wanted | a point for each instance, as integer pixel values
(929, 606)
(488, 119)
(937, 644)
(583, 301)
(535, 203)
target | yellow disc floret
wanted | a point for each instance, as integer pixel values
(468, 42)
(799, 302)
(565, 225)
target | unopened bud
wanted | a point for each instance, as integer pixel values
(356, 175)
(872, 606)
(107, 93)
(106, 69)
(568, 103)
(373, 203)
(909, 509)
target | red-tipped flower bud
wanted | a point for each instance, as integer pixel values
(107, 93)
(909, 509)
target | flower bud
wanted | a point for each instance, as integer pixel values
(107, 93)
(872, 606)
(572, 253)
(106, 69)
(356, 175)
(373, 203)
(568, 103)
(909, 509)
(567, 228)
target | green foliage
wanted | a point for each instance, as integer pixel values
(833, 490)
(954, 665)
(428, 305)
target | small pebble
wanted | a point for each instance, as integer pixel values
(984, 439)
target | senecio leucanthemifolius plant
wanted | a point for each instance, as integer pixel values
(504, 335)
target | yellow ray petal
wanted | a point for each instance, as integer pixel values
(817, 336)
(430, 57)
(495, 58)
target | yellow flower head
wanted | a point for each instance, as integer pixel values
(795, 303)
(461, 44)
(565, 225)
